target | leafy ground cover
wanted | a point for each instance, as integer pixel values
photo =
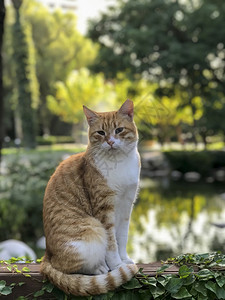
(201, 276)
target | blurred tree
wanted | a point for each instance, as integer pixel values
(81, 88)
(2, 18)
(25, 77)
(60, 48)
(180, 43)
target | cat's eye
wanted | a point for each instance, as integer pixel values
(101, 132)
(118, 130)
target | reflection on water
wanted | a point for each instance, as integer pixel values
(170, 218)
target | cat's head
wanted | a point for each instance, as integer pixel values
(112, 131)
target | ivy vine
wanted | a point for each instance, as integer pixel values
(200, 276)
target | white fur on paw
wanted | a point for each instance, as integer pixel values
(128, 261)
(118, 266)
(103, 269)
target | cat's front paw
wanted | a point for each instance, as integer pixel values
(127, 260)
(102, 269)
(122, 264)
(113, 260)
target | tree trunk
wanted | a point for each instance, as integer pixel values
(2, 18)
(18, 125)
(21, 53)
(179, 134)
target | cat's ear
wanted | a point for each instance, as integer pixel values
(90, 115)
(127, 109)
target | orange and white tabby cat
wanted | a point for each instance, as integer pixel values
(87, 207)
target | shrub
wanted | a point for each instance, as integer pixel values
(22, 191)
(51, 140)
(202, 162)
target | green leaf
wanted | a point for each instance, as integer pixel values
(13, 284)
(205, 274)
(21, 283)
(132, 284)
(193, 291)
(174, 285)
(184, 271)
(200, 288)
(144, 295)
(6, 290)
(126, 295)
(48, 287)
(220, 281)
(189, 280)
(39, 293)
(39, 260)
(211, 286)
(9, 268)
(221, 263)
(201, 297)
(163, 280)
(59, 295)
(162, 269)
(2, 284)
(12, 260)
(149, 281)
(157, 291)
(220, 292)
(182, 294)
(102, 297)
(26, 269)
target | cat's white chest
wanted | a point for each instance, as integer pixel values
(120, 171)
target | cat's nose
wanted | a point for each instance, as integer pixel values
(110, 142)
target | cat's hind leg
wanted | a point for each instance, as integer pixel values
(83, 250)
(93, 256)
(91, 248)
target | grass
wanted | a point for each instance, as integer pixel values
(71, 148)
(144, 146)
(175, 146)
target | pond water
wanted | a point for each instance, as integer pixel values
(172, 218)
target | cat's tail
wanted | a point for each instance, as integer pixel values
(86, 285)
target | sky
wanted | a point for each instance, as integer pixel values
(90, 9)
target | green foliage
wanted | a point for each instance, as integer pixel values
(55, 48)
(4, 289)
(161, 38)
(51, 140)
(200, 276)
(22, 191)
(168, 42)
(60, 48)
(10, 265)
(80, 88)
(203, 162)
(208, 282)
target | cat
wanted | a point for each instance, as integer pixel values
(87, 207)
